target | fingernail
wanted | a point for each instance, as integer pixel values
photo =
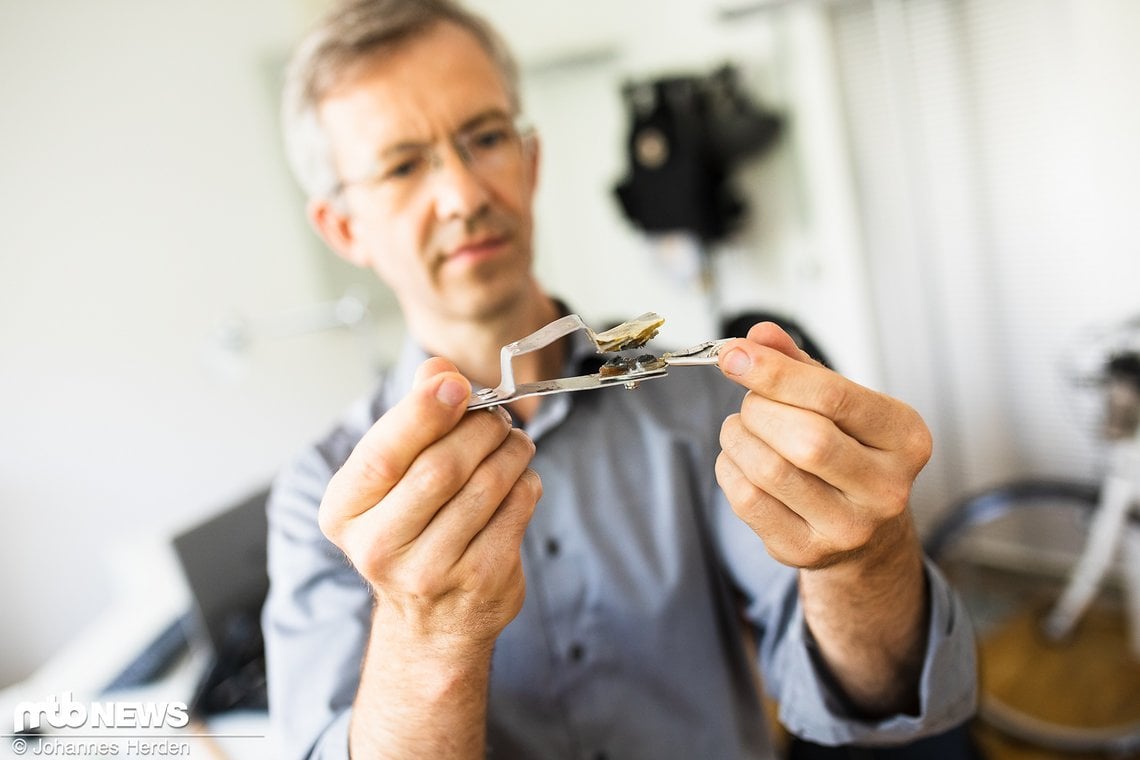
(737, 362)
(451, 393)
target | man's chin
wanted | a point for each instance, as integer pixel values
(489, 304)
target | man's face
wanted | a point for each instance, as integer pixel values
(451, 237)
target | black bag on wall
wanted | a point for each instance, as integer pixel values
(686, 134)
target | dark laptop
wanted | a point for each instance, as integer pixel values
(223, 560)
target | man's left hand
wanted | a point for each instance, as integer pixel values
(815, 463)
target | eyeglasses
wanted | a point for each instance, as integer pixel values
(491, 147)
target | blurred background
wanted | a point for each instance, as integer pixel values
(949, 208)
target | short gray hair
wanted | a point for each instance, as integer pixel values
(352, 33)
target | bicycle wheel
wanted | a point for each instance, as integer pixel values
(1008, 551)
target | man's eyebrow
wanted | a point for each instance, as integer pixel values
(479, 119)
(404, 146)
(476, 121)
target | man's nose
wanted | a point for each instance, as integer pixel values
(457, 190)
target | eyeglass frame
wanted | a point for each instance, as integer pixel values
(521, 130)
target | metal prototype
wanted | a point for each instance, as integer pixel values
(625, 370)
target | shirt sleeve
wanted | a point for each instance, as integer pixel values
(315, 620)
(809, 706)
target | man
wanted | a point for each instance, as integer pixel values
(571, 579)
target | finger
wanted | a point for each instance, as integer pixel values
(441, 472)
(455, 525)
(808, 442)
(789, 538)
(772, 335)
(432, 366)
(870, 417)
(840, 520)
(432, 408)
(786, 535)
(502, 536)
(766, 468)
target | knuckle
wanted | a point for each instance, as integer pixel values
(894, 496)
(865, 534)
(778, 552)
(533, 483)
(833, 400)
(773, 472)
(369, 566)
(920, 442)
(805, 546)
(485, 484)
(750, 505)
(856, 535)
(515, 514)
(731, 430)
(513, 456)
(328, 523)
(814, 446)
(813, 556)
(420, 585)
(520, 443)
(371, 557)
(418, 580)
(751, 402)
(496, 422)
(435, 473)
(484, 430)
(374, 467)
(799, 554)
(728, 475)
(772, 373)
(494, 479)
(723, 468)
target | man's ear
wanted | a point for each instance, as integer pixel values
(535, 153)
(335, 228)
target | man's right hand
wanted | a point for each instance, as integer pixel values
(431, 508)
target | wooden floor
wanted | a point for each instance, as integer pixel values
(1089, 682)
(997, 746)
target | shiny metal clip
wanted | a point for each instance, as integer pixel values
(625, 369)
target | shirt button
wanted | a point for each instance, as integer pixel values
(577, 652)
(553, 547)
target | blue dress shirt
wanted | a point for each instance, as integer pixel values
(643, 591)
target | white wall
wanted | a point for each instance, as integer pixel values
(142, 200)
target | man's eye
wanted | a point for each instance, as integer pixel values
(402, 169)
(489, 139)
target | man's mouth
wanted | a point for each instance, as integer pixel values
(477, 248)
